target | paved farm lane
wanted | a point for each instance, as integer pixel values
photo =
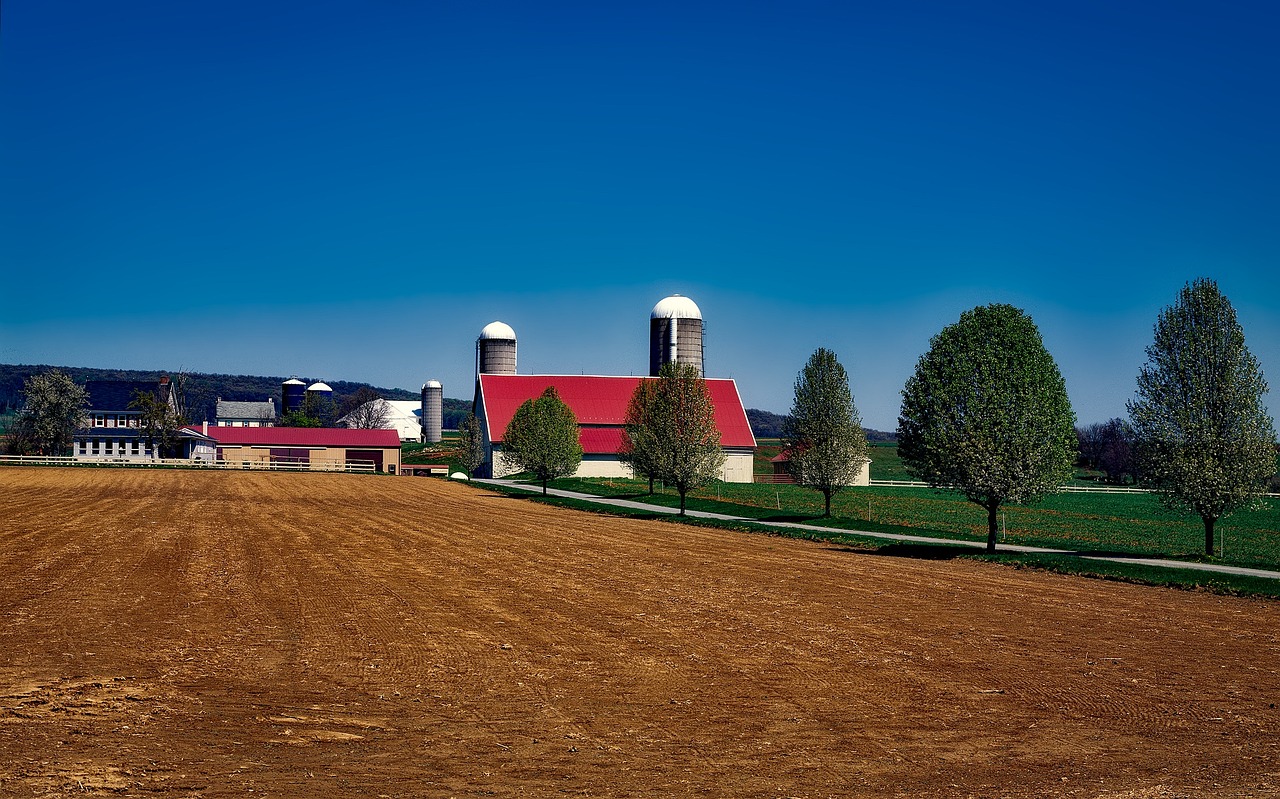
(206, 634)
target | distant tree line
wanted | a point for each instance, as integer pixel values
(766, 424)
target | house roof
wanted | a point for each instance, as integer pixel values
(114, 396)
(303, 437)
(601, 402)
(231, 409)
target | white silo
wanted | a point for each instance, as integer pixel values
(675, 333)
(432, 411)
(496, 350)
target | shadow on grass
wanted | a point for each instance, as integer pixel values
(794, 518)
(921, 551)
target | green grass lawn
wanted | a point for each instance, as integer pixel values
(1121, 523)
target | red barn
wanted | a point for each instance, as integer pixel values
(600, 405)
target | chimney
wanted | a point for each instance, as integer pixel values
(206, 427)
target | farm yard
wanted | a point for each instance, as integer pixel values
(208, 634)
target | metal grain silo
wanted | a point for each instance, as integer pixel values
(675, 333)
(291, 393)
(432, 411)
(496, 350)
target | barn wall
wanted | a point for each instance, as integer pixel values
(738, 466)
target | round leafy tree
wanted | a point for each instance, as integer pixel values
(542, 437)
(986, 413)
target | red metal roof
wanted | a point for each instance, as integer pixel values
(600, 402)
(600, 440)
(302, 437)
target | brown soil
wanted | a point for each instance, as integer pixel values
(193, 634)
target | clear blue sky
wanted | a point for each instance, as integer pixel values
(352, 190)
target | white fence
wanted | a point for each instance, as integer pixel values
(183, 463)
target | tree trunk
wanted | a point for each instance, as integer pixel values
(992, 527)
(826, 512)
(1209, 521)
(544, 487)
(681, 502)
(650, 485)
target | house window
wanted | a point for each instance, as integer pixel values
(80, 446)
(99, 420)
(96, 444)
(135, 447)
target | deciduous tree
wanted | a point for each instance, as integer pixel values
(542, 437)
(987, 413)
(1204, 439)
(470, 443)
(682, 421)
(162, 416)
(639, 446)
(54, 407)
(823, 437)
(365, 410)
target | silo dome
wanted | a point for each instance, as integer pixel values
(676, 307)
(498, 330)
(675, 334)
(318, 386)
(432, 384)
(496, 350)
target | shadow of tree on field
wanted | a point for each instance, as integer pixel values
(920, 551)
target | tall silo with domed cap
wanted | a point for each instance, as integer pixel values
(675, 334)
(496, 350)
(432, 411)
(291, 393)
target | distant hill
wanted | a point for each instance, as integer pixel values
(769, 425)
(203, 389)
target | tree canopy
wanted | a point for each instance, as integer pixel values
(54, 407)
(1203, 436)
(162, 416)
(639, 444)
(365, 410)
(542, 437)
(680, 418)
(824, 441)
(986, 413)
(470, 443)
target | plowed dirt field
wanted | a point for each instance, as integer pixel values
(195, 634)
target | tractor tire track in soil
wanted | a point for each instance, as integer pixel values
(204, 634)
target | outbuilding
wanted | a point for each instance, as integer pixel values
(309, 447)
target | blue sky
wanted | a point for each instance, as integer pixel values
(352, 190)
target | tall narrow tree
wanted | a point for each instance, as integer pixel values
(542, 437)
(639, 445)
(1204, 439)
(682, 421)
(470, 443)
(987, 413)
(826, 445)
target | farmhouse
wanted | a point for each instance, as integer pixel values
(314, 447)
(230, 413)
(112, 427)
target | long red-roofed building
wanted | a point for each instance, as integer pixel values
(600, 405)
(318, 447)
